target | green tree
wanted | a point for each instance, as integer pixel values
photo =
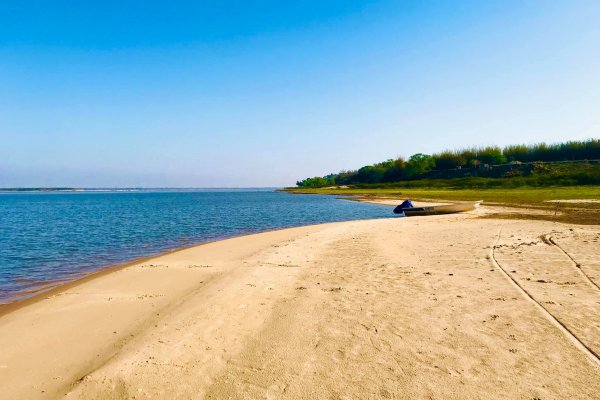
(419, 164)
(449, 160)
(396, 171)
(316, 182)
(491, 155)
(370, 174)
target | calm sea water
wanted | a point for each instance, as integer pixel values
(47, 238)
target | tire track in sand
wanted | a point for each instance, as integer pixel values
(591, 354)
(548, 239)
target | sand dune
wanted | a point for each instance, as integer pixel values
(436, 307)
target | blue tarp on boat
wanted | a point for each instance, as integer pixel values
(405, 204)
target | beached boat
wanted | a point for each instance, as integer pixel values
(409, 210)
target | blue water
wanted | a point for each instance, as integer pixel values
(55, 237)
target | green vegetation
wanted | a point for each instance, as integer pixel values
(563, 164)
(528, 177)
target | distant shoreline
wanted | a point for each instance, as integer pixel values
(132, 189)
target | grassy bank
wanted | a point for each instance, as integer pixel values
(512, 196)
(523, 197)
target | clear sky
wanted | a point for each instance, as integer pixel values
(262, 93)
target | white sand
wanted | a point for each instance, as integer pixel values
(395, 308)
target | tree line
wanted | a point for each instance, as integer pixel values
(419, 165)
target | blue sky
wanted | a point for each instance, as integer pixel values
(262, 93)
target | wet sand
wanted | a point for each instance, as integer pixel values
(435, 307)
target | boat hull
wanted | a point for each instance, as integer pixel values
(437, 210)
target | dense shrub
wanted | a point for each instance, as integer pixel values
(470, 162)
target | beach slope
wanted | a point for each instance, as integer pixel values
(448, 307)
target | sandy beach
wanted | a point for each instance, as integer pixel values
(440, 307)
